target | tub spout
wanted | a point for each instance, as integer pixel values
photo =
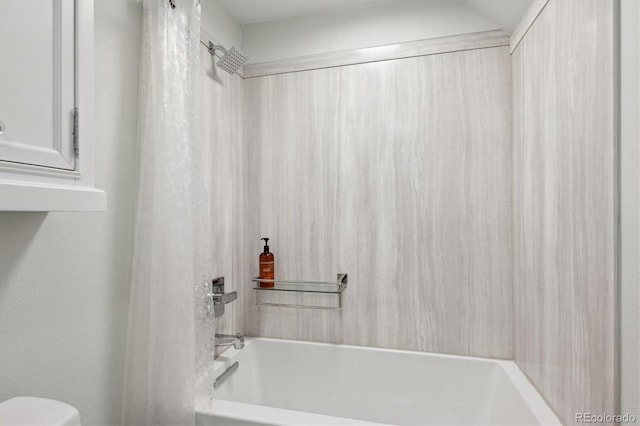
(236, 340)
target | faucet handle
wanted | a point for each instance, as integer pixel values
(223, 299)
(219, 297)
(229, 297)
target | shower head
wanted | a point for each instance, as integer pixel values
(232, 59)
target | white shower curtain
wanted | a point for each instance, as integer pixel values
(172, 226)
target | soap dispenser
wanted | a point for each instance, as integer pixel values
(266, 265)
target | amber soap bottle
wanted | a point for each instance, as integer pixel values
(267, 264)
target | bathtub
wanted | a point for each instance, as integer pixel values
(282, 382)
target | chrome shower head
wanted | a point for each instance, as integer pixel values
(232, 59)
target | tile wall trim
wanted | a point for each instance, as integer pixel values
(478, 40)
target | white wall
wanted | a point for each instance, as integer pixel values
(218, 24)
(359, 26)
(64, 277)
(630, 209)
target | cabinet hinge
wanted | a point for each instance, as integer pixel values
(76, 139)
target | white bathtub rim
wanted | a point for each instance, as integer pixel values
(280, 416)
(535, 402)
(231, 352)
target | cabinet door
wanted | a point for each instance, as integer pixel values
(37, 82)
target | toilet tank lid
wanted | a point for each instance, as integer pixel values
(29, 410)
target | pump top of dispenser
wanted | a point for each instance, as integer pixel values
(266, 244)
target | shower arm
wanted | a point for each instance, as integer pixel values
(213, 47)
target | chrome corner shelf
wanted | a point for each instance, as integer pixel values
(299, 286)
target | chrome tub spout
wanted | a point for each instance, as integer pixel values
(237, 340)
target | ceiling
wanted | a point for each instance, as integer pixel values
(253, 11)
(505, 13)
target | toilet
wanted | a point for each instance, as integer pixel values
(29, 411)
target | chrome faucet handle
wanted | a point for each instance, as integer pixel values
(219, 297)
(225, 298)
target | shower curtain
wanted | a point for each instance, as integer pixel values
(171, 263)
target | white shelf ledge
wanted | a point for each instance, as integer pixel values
(39, 197)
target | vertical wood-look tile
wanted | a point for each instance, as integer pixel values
(565, 217)
(221, 123)
(397, 173)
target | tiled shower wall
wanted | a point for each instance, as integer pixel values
(398, 173)
(565, 207)
(221, 124)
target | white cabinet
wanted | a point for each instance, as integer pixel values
(47, 106)
(37, 82)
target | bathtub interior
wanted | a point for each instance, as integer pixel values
(375, 385)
